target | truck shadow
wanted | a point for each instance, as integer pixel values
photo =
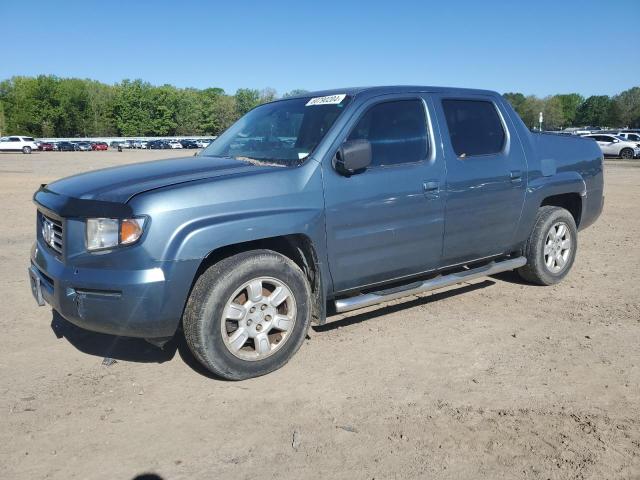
(512, 276)
(125, 348)
(138, 350)
(434, 297)
(110, 346)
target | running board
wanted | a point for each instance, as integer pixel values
(368, 299)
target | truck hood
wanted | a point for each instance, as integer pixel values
(119, 184)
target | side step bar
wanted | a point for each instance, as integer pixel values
(368, 299)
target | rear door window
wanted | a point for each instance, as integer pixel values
(474, 126)
(397, 131)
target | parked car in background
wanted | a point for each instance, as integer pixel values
(18, 143)
(83, 146)
(186, 143)
(67, 147)
(174, 144)
(614, 146)
(245, 245)
(114, 144)
(203, 143)
(99, 146)
(126, 144)
(630, 136)
(143, 144)
(46, 147)
(158, 145)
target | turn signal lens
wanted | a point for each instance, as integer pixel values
(130, 230)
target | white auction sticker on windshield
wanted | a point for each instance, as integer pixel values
(328, 100)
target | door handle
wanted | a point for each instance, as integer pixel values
(431, 186)
(516, 176)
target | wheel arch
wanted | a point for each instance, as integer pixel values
(298, 247)
(571, 202)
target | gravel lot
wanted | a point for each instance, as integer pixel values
(491, 379)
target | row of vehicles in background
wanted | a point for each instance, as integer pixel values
(161, 144)
(71, 146)
(85, 146)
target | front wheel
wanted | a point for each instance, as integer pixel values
(248, 314)
(26, 149)
(551, 247)
(626, 153)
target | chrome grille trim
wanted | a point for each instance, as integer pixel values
(56, 239)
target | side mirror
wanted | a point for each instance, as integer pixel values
(615, 140)
(353, 157)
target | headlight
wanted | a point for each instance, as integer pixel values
(110, 232)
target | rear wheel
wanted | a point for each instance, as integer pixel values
(551, 247)
(626, 153)
(26, 149)
(248, 314)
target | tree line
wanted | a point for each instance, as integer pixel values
(50, 106)
(574, 110)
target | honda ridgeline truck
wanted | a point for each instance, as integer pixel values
(308, 206)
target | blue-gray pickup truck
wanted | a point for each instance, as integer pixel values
(309, 206)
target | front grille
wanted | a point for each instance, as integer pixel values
(52, 233)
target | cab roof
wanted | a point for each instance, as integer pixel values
(390, 89)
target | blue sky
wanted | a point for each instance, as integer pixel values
(540, 47)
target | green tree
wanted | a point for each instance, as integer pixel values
(518, 102)
(553, 113)
(2, 119)
(133, 107)
(569, 103)
(594, 111)
(246, 99)
(628, 103)
(268, 95)
(222, 113)
(299, 91)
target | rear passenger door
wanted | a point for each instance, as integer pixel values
(486, 178)
(386, 222)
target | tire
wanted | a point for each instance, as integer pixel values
(550, 255)
(626, 153)
(26, 150)
(226, 325)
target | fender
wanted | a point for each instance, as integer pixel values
(546, 186)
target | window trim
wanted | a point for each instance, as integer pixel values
(506, 145)
(428, 128)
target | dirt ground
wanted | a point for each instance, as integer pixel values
(492, 379)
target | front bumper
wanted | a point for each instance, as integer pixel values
(133, 303)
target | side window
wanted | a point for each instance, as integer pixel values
(14, 139)
(397, 132)
(474, 127)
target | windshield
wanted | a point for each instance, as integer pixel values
(283, 132)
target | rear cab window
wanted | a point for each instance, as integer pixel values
(397, 131)
(475, 127)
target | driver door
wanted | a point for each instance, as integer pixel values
(386, 222)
